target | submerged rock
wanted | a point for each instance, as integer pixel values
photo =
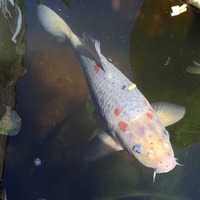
(3, 195)
(10, 123)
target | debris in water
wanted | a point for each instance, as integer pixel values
(37, 162)
(177, 10)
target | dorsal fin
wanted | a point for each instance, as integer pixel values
(88, 43)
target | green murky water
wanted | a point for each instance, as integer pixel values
(147, 45)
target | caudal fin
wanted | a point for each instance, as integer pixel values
(56, 25)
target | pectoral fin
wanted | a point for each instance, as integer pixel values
(100, 146)
(168, 113)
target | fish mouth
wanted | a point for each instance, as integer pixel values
(167, 169)
(156, 171)
(166, 165)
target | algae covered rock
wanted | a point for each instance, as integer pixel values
(10, 123)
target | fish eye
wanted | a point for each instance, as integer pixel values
(165, 133)
(137, 148)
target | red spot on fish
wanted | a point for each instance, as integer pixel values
(145, 102)
(149, 115)
(117, 112)
(122, 125)
(96, 69)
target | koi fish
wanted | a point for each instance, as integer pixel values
(132, 123)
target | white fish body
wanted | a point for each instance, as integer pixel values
(133, 124)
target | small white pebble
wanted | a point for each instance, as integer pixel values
(37, 162)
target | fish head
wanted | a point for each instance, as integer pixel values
(152, 147)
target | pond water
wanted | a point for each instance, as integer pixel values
(150, 47)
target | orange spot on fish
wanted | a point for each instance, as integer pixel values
(96, 69)
(149, 115)
(117, 112)
(122, 125)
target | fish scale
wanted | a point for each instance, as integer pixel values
(110, 92)
(110, 87)
(133, 124)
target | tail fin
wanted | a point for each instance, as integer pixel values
(55, 25)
